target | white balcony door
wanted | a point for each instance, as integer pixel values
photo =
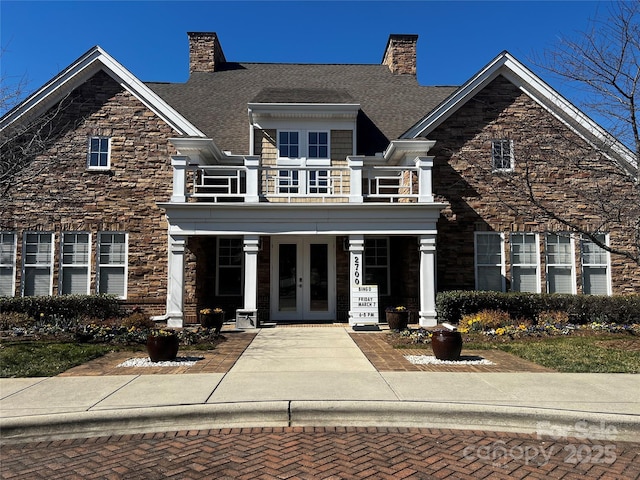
(303, 278)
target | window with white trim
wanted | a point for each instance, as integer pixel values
(75, 263)
(38, 264)
(525, 257)
(595, 266)
(230, 261)
(489, 261)
(7, 264)
(560, 263)
(112, 263)
(300, 149)
(376, 263)
(502, 155)
(99, 156)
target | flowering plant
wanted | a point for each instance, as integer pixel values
(399, 308)
(209, 311)
(162, 332)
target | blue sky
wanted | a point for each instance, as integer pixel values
(456, 38)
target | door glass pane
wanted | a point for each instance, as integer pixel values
(318, 278)
(287, 276)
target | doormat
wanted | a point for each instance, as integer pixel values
(464, 360)
(146, 362)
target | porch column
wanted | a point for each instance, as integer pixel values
(251, 247)
(356, 272)
(425, 182)
(175, 283)
(427, 311)
(179, 164)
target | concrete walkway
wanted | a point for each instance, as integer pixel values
(319, 377)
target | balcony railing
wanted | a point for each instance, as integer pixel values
(253, 183)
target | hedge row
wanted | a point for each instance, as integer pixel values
(66, 306)
(624, 309)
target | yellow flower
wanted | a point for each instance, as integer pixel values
(500, 331)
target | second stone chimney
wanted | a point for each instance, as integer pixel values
(400, 55)
(205, 52)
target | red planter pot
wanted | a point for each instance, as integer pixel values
(162, 348)
(446, 344)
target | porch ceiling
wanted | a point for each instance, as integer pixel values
(306, 219)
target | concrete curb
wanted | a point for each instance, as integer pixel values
(563, 423)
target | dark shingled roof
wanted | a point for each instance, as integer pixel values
(217, 102)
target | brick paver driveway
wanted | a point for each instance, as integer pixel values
(322, 453)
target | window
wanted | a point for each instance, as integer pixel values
(559, 260)
(7, 264)
(595, 267)
(38, 264)
(288, 145)
(112, 264)
(230, 256)
(376, 264)
(75, 263)
(524, 262)
(99, 153)
(318, 145)
(502, 154)
(489, 261)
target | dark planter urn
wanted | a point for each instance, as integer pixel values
(162, 348)
(397, 320)
(212, 320)
(446, 344)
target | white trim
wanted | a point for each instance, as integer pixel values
(125, 265)
(607, 265)
(83, 69)
(572, 263)
(536, 238)
(90, 151)
(524, 79)
(13, 265)
(25, 265)
(63, 265)
(502, 264)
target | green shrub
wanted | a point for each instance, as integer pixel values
(137, 320)
(63, 306)
(580, 309)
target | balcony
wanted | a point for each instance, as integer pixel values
(359, 181)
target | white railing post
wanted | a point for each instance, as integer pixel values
(253, 179)
(355, 179)
(179, 164)
(425, 179)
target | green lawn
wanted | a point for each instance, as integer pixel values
(594, 353)
(45, 359)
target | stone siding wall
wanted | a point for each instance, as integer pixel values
(563, 170)
(57, 193)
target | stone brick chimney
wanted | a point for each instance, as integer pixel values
(205, 52)
(400, 55)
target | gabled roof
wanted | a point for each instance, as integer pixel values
(83, 69)
(523, 78)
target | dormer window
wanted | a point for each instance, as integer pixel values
(303, 144)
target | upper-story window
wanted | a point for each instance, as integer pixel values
(99, 157)
(303, 144)
(502, 155)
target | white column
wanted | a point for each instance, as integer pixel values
(175, 282)
(179, 164)
(253, 170)
(427, 311)
(251, 248)
(355, 178)
(425, 179)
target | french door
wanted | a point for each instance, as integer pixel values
(303, 278)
